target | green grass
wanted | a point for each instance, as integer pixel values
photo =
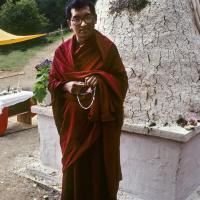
(14, 57)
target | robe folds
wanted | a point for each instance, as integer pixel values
(80, 129)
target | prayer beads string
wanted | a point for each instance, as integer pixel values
(93, 98)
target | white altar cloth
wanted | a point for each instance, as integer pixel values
(12, 99)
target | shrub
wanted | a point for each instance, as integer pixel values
(22, 17)
(2, 2)
(54, 11)
(40, 87)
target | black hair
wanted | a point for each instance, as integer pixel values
(78, 4)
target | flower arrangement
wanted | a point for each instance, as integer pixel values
(188, 123)
(40, 87)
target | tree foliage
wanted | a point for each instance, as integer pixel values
(54, 11)
(32, 16)
(2, 2)
(22, 17)
(94, 1)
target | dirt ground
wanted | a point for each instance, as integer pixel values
(24, 143)
(15, 147)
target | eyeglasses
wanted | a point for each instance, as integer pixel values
(78, 21)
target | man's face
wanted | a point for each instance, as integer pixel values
(82, 23)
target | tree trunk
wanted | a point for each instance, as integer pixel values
(160, 47)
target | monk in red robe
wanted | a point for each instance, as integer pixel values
(88, 84)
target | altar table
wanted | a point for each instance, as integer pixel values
(15, 104)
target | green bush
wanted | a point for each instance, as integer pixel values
(22, 17)
(94, 1)
(40, 87)
(2, 2)
(54, 11)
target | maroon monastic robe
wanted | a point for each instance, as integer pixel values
(84, 132)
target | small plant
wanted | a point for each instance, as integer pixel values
(40, 87)
(135, 5)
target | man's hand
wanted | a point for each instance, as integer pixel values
(91, 81)
(73, 87)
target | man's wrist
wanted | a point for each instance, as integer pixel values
(64, 87)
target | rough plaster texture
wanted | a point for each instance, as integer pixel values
(160, 49)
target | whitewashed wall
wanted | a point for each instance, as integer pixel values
(188, 174)
(149, 166)
(159, 164)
